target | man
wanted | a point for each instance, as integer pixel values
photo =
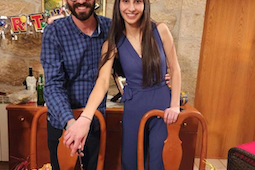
(71, 50)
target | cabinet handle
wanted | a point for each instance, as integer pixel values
(121, 122)
(22, 119)
(185, 124)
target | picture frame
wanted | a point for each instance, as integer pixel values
(52, 4)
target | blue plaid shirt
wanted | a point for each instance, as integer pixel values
(70, 61)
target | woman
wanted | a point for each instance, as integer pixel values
(144, 50)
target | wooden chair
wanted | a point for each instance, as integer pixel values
(172, 151)
(66, 162)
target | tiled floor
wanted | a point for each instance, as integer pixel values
(219, 164)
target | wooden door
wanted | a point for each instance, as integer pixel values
(225, 92)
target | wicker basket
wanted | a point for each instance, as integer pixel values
(239, 159)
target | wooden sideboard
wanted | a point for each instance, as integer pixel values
(19, 124)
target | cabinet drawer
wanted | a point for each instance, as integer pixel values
(113, 121)
(18, 119)
(23, 119)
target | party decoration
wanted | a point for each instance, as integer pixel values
(43, 24)
(18, 24)
(13, 27)
(54, 12)
(23, 19)
(38, 21)
(2, 22)
(2, 26)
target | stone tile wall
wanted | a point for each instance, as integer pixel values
(184, 18)
(17, 56)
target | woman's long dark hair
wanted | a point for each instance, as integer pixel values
(150, 51)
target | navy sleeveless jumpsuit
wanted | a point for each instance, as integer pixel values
(138, 101)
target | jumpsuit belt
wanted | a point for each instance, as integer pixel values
(130, 91)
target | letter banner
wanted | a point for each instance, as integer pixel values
(29, 24)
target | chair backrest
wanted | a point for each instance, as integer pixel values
(65, 160)
(172, 151)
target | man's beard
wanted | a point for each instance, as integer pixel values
(83, 15)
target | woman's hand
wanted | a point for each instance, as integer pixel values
(76, 135)
(171, 114)
(167, 78)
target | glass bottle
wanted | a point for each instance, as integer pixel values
(40, 99)
(31, 81)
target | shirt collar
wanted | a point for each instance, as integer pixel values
(97, 31)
